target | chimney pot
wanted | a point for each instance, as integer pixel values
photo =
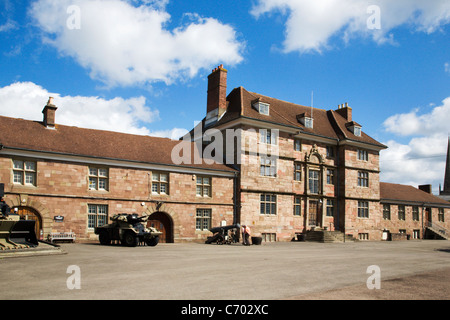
(217, 90)
(345, 111)
(50, 114)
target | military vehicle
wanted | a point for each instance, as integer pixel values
(129, 229)
(14, 232)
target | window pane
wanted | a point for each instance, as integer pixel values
(18, 177)
(93, 183)
(18, 164)
(29, 178)
(30, 166)
(103, 172)
(102, 184)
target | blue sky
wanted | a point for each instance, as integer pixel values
(141, 66)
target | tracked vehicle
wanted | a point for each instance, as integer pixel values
(14, 232)
(129, 229)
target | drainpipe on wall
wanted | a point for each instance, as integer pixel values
(235, 200)
(337, 190)
(423, 230)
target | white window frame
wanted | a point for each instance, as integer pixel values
(25, 172)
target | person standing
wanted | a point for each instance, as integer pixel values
(245, 235)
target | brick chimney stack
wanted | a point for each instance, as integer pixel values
(50, 114)
(217, 90)
(345, 111)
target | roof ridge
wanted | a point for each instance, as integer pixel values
(284, 101)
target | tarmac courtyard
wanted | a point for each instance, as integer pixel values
(410, 270)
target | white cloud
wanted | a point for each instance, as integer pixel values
(174, 134)
(421, 160)
(8, 26)
(407, 124)
(447, 67)
(311, 24)
(27, 100)
(126, 43)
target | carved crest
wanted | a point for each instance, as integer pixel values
(314, 156)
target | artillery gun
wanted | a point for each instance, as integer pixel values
(129, 229)
(224, 235)
(14, 232)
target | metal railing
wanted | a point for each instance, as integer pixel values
(438, 228)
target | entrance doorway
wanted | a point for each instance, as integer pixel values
(27, 213)
(163, 223)
(428, 215)
(313, 214)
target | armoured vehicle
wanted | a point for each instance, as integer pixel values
(14, 232)
(129, 229)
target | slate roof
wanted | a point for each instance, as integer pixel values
(74, 141)
(327, 123)
(408, 194)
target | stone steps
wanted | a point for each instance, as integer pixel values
(327, 236)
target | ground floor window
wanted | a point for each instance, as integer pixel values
(268, 204)
(386, 212)
(330, 207)
(401, 213)
(415, 213)
(416, 234)
(363, 236)
(363, 209)
(269, 237)
(441, 215)
(203, 219)
(97, 215)
(297, 206)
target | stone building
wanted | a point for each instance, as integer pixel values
(74, 179)
(281, 168)
(301, 168)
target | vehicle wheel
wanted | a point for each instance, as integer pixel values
(153, 241)
(104, 238)
(130, 239)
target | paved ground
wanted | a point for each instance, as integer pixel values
(274, 271)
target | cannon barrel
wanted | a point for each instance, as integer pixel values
(225, 228)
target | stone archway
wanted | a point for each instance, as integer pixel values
(27, 213)
(33, 207)
(163, 222)
(160, 212)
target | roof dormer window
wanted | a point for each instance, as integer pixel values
(306, 120)
(354, 127)
(261, 107)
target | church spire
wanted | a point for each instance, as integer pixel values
(446, 190)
